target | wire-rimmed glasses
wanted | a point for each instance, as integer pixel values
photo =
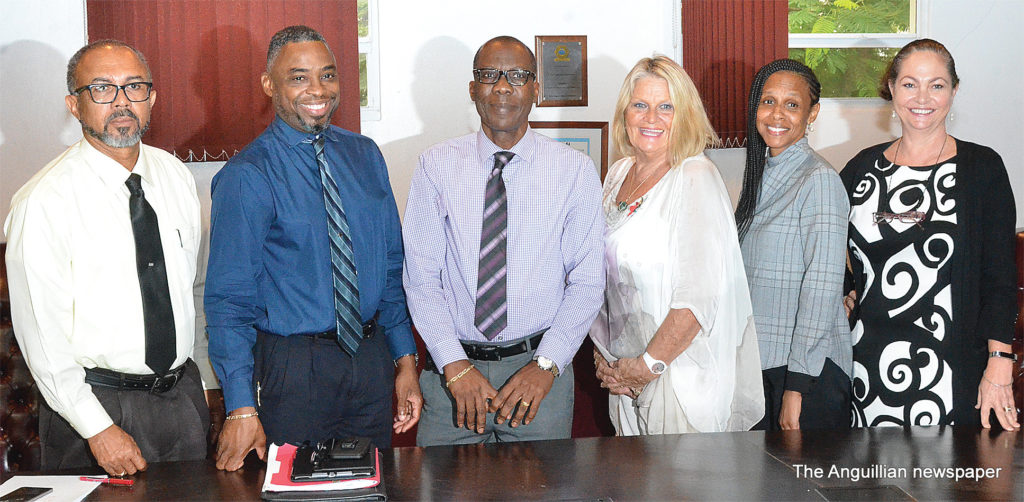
(915, 217)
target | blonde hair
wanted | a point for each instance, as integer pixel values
(691, 129)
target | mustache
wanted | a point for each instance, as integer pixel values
(123, 112)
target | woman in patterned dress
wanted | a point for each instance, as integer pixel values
(931, 248)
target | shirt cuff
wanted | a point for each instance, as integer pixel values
(549, 348)
(800, 382)
(447, 352)
(88, 417)
(400, 341)
(238, 394)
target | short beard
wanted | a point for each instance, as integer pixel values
(311, 128)
(122, 138)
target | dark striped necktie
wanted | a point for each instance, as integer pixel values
(346, 291)
(491, 305)
(157, 314)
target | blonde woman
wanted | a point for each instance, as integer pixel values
(676, 342)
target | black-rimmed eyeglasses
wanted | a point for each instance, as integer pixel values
(491, 76)
(102, 94)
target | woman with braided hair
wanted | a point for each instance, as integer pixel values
(792, 220)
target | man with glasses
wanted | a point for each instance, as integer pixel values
(308, 326)
(101, 257)
(504, 262)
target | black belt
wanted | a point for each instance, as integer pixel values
(127, 381)
(484, 352)
(368, 330)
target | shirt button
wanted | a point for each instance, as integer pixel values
(500, 338)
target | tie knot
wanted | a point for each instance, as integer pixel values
(134, 184)
(318, 144)
(501, 159)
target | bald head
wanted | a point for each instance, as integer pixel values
(506, 41)
(72, 73)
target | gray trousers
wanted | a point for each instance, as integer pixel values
(168, 426)
(437, 424)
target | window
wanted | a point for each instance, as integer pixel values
(848, 43)
(369, 68)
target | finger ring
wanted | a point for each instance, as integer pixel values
(1008, 409)
(524, 403)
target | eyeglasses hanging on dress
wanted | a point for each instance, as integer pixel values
(915, 217)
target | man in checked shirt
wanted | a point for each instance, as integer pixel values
(504, 270)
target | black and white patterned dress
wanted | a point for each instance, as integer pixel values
(903, 346)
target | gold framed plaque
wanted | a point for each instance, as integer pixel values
(562, 70)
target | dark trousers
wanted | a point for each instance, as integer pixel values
(826, 406)
(166, 427)
(308, 389)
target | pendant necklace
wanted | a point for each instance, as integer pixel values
(624, 204)
(937, 157)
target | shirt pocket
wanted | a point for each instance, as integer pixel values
(180, 248)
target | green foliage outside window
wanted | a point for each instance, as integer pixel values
(363, 15)
(363, 23)
(362, 80)
(848, 72)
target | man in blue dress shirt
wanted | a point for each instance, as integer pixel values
(304, 300)
(504, 265)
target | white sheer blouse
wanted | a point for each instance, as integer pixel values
(678, 249)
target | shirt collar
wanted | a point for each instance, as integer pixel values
(801, 147)
(290, 136)
(111, 171)
(523, 149)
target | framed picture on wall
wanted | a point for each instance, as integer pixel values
(561, 70)
(590, 138)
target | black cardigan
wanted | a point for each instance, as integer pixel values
(984, 299)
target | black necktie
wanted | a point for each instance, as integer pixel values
(161, 349)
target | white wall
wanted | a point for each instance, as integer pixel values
(426, 51)
(36, 41)
(426, 54)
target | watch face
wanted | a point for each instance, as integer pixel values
(545, 363)
(658, 368)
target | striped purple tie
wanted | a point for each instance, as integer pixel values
(491, 307)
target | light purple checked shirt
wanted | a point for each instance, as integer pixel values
(555, 244)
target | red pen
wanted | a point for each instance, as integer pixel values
(109, 481)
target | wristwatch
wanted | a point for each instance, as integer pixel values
(657, 367)
(547, 365)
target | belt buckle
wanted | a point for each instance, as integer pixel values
(173, 378)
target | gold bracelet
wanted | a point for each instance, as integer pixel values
(456, 377)
(239, 417)
(985, 378)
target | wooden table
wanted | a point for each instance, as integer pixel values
(725, 466)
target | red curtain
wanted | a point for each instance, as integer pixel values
(207, 56)
(724, 44)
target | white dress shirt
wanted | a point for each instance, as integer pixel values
(75, 297)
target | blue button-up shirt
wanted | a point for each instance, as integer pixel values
(270, 260)
(555, 269)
